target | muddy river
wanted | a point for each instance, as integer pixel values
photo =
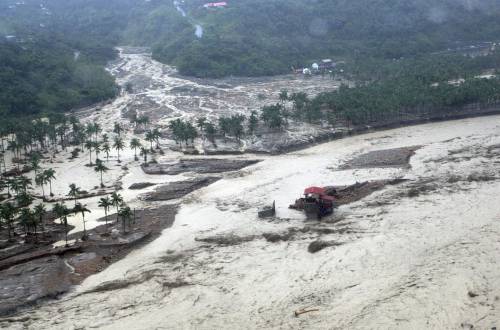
(420, 254)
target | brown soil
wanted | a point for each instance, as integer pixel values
(141, 185)
(319, 245)
(399, 157)
(199, 165)
(57, 270)
(350, 194)
(175, 190)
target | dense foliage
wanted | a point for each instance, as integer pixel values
(45, 75)
(263, 37)
(385, 42)
(403, 90)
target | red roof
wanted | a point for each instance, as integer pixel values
(314, 190)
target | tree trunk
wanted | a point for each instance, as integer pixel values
(84, 228)
(66, 231)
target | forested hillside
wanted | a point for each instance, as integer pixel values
(264, 37)
(47, 76)
(53, 51)
(267, 37)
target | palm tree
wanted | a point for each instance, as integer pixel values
(15, 185)
(118, 145)
(156, 137)
(126, 214)
(23, 183)
(79, 208)
(24, 199)
(201, 122)
(97, 149)
(62, 212)
(144, 153)
(26, 219)
(9, 183)
(105, 203)
(40, 212)
(134, 144)
(74, 191)
(2, 158)
(283, 96)
(3, 183)
(7, 212)
(49, 175)
(116, 201)
(35, 163)
(117, 129)
(41, 181)
(97, 129)
(100, 168)
(89, 145)
(150, 138)
(107, 149)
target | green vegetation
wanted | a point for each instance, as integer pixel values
(261, 37)
(30, 145)
(43, 76)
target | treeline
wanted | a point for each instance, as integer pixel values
(46, 75)
(429, 68)
(384, 101)
(401, 99)
(28, 144)
(260, 37)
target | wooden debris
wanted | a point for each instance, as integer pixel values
(304, 311)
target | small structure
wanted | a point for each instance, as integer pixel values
(327, 64)
(215, 4)
(268, 212)
(317, 202)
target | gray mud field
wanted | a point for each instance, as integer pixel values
(178, 189)
(397, 157)
(199, 165)
(57, 271)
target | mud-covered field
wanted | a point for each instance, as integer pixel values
(40, 274)
(156, 90)
(413, 246)
(398, 157)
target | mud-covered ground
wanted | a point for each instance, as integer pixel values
(156, 90)
(398, 157)
(420, 253)
(199, 165)
(40, 274)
